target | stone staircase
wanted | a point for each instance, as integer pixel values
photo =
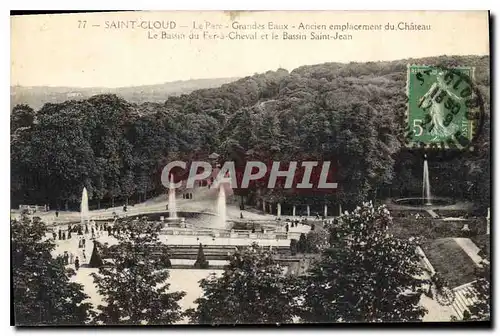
(465, 296)
(432, 213)
(213, 252)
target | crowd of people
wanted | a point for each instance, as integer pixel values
(90, 230)
(290, 223)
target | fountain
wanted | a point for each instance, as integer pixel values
(84, 206)
(426, 186)
(221, 206)
(171, 200)
(426, 201)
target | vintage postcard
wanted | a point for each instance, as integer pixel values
(250, 167)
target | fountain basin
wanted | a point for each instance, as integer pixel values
(424, 202)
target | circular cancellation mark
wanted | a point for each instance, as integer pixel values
(445, 111)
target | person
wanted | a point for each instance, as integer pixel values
(125, 208)
(69, 234)
(86, 229)
(71, 258)
(83, 242)
(57, 213)
(60, 234)
(54, 235)
(64, 235)
(84, 256)
(241, 215)
(66, 258)
(287, 228)
(93, 233)
(77, 263)
(79, 242)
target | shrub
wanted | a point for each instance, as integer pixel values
(293, 246)
(201, 261)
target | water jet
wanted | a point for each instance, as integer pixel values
(84, 206)
(426, 186)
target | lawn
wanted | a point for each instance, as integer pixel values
(430, 229)
(450, 260)
(451, 213)
(426, 228)
(483, 242)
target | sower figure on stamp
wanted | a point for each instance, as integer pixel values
(436, 109)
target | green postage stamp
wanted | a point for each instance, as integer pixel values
(442, 107)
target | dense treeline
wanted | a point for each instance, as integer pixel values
(351, 114)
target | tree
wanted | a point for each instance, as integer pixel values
(364, 276)
(165, 259)
(22, 116)
(302, 244)
(480, 310)
(43, 294)
(201, 261)
(135, 288)
(128, 186)
(95, 259)
(317, 240)
(252, 289)
(293, 246)
(348, 114)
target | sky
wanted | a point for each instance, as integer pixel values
(56, 50)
